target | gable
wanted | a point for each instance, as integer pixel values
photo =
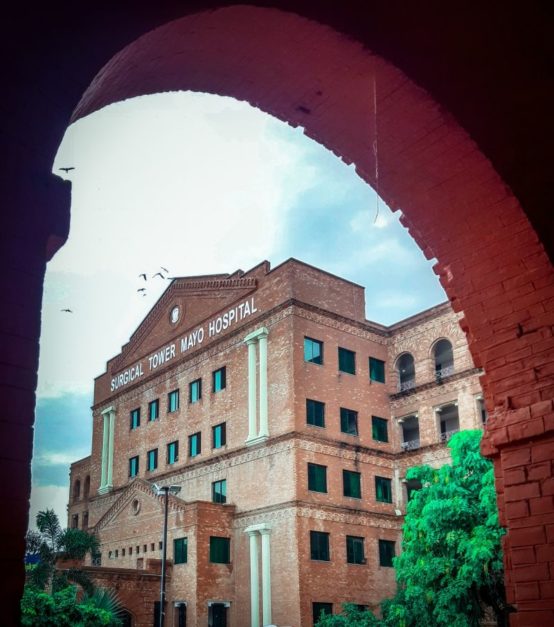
(182, 307)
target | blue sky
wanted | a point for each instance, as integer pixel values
(198, 184)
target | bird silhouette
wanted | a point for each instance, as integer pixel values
(164, 269)
(141, 289)
(67, 169)
(143, 275)
(67, 310)
(158, 274)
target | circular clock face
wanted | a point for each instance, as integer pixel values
(175, 314)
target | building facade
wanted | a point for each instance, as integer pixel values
(288, 421)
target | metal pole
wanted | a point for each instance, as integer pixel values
(164, 555)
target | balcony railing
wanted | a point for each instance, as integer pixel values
(403, 386)
(444, 372)
(448, 434)
(411, 445)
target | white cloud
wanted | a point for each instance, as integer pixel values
(55, 458)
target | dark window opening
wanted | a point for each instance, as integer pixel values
(347, 361)
(315, 413)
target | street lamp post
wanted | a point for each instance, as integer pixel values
(165, 490)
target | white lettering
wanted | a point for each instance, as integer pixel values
(211, 328)
(200, 335)
(225, 320)
(246, 309)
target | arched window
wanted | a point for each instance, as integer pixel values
(406, 372)
(77, 490)
(86, 489)
(444, 359)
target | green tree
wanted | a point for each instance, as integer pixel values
(61, 609)
(51, 543)
(450, 567)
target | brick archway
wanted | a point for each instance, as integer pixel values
(491, 262)
(457, 208)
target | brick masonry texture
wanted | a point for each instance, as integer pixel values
(267, 482)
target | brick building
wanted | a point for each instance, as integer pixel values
(288, 420)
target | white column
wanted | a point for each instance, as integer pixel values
(105, 438)
(266, 578)
(110, 450)
(264, 424)
(251, 389)
(254, 580)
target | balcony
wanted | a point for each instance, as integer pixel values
(444, 372)
(404, 386)
(411, 445)
(444, 437)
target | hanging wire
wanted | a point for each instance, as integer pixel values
(375, 146)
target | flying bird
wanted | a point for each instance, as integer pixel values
(67, 169)
(158, 274)
(67, 310)
(141, 289)
(164, 269)
(143, 275)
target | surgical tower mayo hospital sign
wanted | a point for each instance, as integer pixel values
(182, 345)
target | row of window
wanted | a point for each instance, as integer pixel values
(315, 416)
(219, 440)
(220, 550)
(351, 483)
(355, 553)
(313, 352)
(219, 383)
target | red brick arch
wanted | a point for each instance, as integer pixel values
(490, 261)
(459, 210)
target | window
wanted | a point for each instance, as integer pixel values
(85, 520)
(219, 436)
(481, 409)
(319, 609)
(315, 413)
(219, 379)
(317, 478)
(386, 552)
(379, 429)
(220, 550)
(173, 401)
(405, 369)
(444, 359)
(351, 484)
(195, 444)
(347, 361)
(376, 370)
(313, 351)
(349, 421)
(173, 452)
(383, 489)
(219, 491)
(133, 466)
(195, 391)
(75, 521)
(154, 410)
(355, 550)
(135, 418)
(180, 546)
(319, 546)
(152, 460)
(122, 552)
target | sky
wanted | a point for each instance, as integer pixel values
(197, 184)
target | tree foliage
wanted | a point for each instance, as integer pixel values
(51, 543)
(450, 567)
(61, 609)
